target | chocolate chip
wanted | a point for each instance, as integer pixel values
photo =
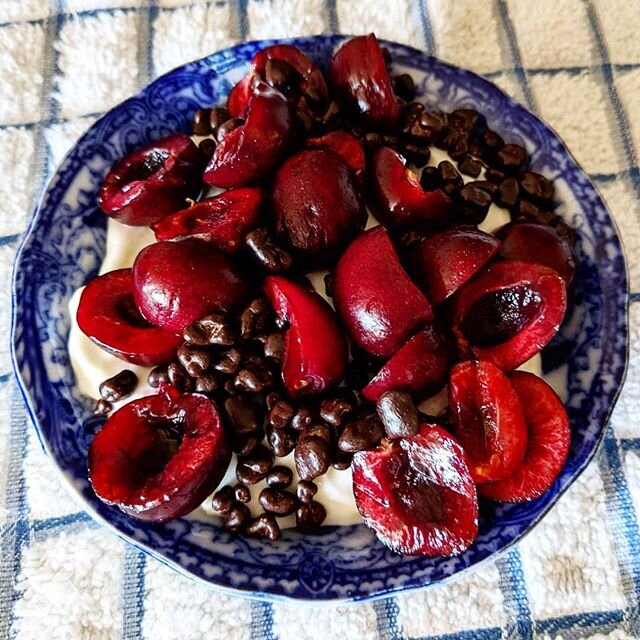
(508, 193)
(264, 526)
(245, 444)
(102, 407)
(244, 414)
(306, 490)
(536, 186)
(430, 180)
(494, 175)
(207, 383)
(274, 346)
(312, 457)
(319, 430)
(372, 140)
(404, 87)
(253, 379)
(242, 493)
(361, 433)
(228, 361)
(226, 128)
(398, 413)
(511, 157)
(280, 414)
(119, 386)
(455, 142)
(207, 146)
(386, 55)
(278, 501)
(264, 250)
(200, 124)
(302, 418)
(342, 460)
(491, 140)
(335, 410)
(279, 477)
(310, 516)
(195, 360)
(449, 175)
(223, 499)
(490, 187)
(281, 441)
(427, 127)
(254, 467)
(255, 318)
(474, 203)
(210, 330)
(470, 167)
(235, 519)
(218, 116)
(279, 74)
(271, 398)
(418, 156)
(179, 378)
(157, 376)
(465, 119)
(328, 285)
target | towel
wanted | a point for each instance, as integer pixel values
(64, 62)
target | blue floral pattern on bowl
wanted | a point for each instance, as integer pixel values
(64, 247)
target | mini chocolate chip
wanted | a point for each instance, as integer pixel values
(226, 128)
(449, 175)
(494, 175)
(207, 383)
(179, 378)
(328, 285)
(242, 493)
(279, 74)
(342, 460)
(210, 330)
(390, 141)
(278, 501)
(335, 410)
(465, 119)
(102, 407)
(280, 414)
(207, 146)
(491, 140)
(253, 379)
(271, 398)
(223, 499)
(398, 413)
(455, 142)
(264, 526)
(372, 140)
(274, 346)
(119, 386)
(235, 519)
(302, 418)
(157, 376)
(361, 433)
(430, 180)
(318, 430)
(228, 361)
(490, 187)
(312, 457)
(255, 318)
(418, 156)
(310, 516)
(200, 125)
(218, 116)
(195, 360)
(306, 490)
(427, 127)
(244, 414)
(470, 167)
(264, 250)
(508, 193)
(536, 186)
(475, 203)
(281, 441)
(404, 87)
(279, 477)
(511, 157)
(245, 444)
(254, 467)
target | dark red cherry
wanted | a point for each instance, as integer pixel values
(239, 97)
(345, 145)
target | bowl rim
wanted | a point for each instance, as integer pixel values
(267, 596)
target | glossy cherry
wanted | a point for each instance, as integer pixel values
(239, 95)
(345, 145)
(443, 262)
(176, 283)
(159, 457)
(315, 351)
(488, 418)
(254, 149)
(509, 312)
(152, 182)
(108, 315)
(417, 494)
(420, 367)
(398, 200)
(549, 435)
(379, 304)
(361, 81)
(317, 206)
(222, 220)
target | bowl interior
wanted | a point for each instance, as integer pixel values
(64, 249)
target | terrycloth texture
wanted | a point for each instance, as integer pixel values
(63, 63)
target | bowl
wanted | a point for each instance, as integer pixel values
(63, 249)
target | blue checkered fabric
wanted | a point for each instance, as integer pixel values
(64, 62)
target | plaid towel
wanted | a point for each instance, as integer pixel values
(63, 62)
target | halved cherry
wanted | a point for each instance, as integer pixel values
(361, 81)
(108, 315)
(375, 297)
(159, 457)
(254, 149)
(443, 262)
(317, 206)
(417, 494)
(222, 220)
(176, 283)
(315, 351)
(509, 312)
(538, 243)
(345, 145)
(238, 99)
(420, 367)
(399, 201)
(152, 182)
(488, 418)
(549, 435)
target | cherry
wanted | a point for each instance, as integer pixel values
(315, 351)
(159, 457)
(361, 82)
(420, 366)
(397, 199)
(488, 418)
(254, 149)
(509, 312)
(152, 182)
(539, 243)
(375, 297)
(549, 435)
(346, 146)
(239, 97)
(317, 206)
(176, 283)
(417, 494)
(442, 263)
(222, 220)
(108, 315)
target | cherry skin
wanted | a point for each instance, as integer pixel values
(346, 146)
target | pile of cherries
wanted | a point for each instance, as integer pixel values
(248, 357)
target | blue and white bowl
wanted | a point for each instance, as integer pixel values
(65, 245)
